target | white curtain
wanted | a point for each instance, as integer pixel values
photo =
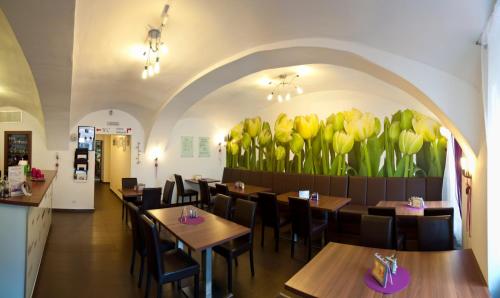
(450, 191)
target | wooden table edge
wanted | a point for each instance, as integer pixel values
(347, 201)
(201, 248)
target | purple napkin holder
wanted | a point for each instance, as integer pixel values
(191, 220)
(400, 281)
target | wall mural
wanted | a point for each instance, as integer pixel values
(346, 143)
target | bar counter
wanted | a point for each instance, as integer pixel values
(24, 227)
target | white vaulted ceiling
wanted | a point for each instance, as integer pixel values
(200, 34)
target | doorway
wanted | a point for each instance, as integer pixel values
(98, 160)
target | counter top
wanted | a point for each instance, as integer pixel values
(38, 190)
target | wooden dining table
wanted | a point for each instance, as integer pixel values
(402, 208)
(130, 192)
(247, 191)
(214, 230)
(338, 271)
(325, 202)
(197, 181)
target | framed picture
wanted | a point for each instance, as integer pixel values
(380, 270)
(86, 137)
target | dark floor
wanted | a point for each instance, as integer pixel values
(88, 255)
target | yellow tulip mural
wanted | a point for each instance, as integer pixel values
(351, 142)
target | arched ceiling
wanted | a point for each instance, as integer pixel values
(17, 86)
(440, 34)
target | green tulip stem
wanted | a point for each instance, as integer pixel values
(310, 157)
(437, 160)
(299, 162)
(411, 169)
(234, 161)
(367, 160)
(261, 158)
(407, 164)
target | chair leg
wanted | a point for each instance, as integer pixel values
(159, 291)
(276, 239)
(292, 244)
(252, 269)
(148, 285)
(262, 236)
(132, 261)
(196, 285)
(141, 272)
(229, 275)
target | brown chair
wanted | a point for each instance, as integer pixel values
(184, 193)
(221, 189)
(222, 206)
(398, 240)
(377, 231)
(128, 183)
(168, 191)
(303, 224)
(435, 233)
(270, 216)
(205, 198)
(172, 266)
(227, 175)
(244, 214)
(441, 211)
(350, 215)
(151, 198)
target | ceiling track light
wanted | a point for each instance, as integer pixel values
(284, 88)
(155, 47)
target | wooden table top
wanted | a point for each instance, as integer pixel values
(38, 190)
(326, 203)
(402, 208)
(130, 192)
(249, 189)
(196, 181)
(213, 231)
(338, 271)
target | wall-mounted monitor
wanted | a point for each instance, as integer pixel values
(86, 137)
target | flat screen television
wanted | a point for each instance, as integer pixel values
(86, 137)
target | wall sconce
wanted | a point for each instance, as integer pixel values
(467, 168)
(155, 155)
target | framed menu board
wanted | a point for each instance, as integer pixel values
(17, 146)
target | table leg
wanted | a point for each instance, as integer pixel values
(207, 271)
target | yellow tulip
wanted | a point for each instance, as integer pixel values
(328, 132)
(283, 128)
(336, 120)
(426, 127)
(237, 131)
(253, 126)
(234, 147)
(410, 142)
(265, 137)
(246, 141)
(342, 142)
(297, 143)
(353, 114)
(361, 128)
(406, 118)
(307, 126)
(280, 153)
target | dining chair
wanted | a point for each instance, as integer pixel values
(138, 241)
(171, 266)
(222, 206)
(271, 216)
(184, 193)
(435, 233)
(205, 198)
(376, 231)
(398, 239)
(221, 189)
(168, 191)
(303, 224)
(244, 214)
(128, 183)
(151, 198)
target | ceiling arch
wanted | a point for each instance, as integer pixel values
(430, 86)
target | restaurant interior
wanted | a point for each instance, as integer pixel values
(180, 148)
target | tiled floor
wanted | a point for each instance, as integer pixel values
(88, 255)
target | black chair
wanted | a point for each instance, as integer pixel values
(151, 198)
(171, 266)
(270, 216)
(184, 193)
(435, 233)
(128, 183)
(205, 198)
(303, 224)
(138, 241)
(244, 215)
(398, 239)
(221, 189)
(167, 193)
(222, 206)
(377, 231)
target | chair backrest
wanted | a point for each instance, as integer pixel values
(222, 206)
(151, 198)
(204, 192)
(268, 206)
(167, 193)
(221, 189)
(435, 233)
(244, 214)
(300, 215)
(382, 211)
(128, 183)
(377, 231)
(154, 259)
(137, 232)
(439, 211)
(180, 184)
